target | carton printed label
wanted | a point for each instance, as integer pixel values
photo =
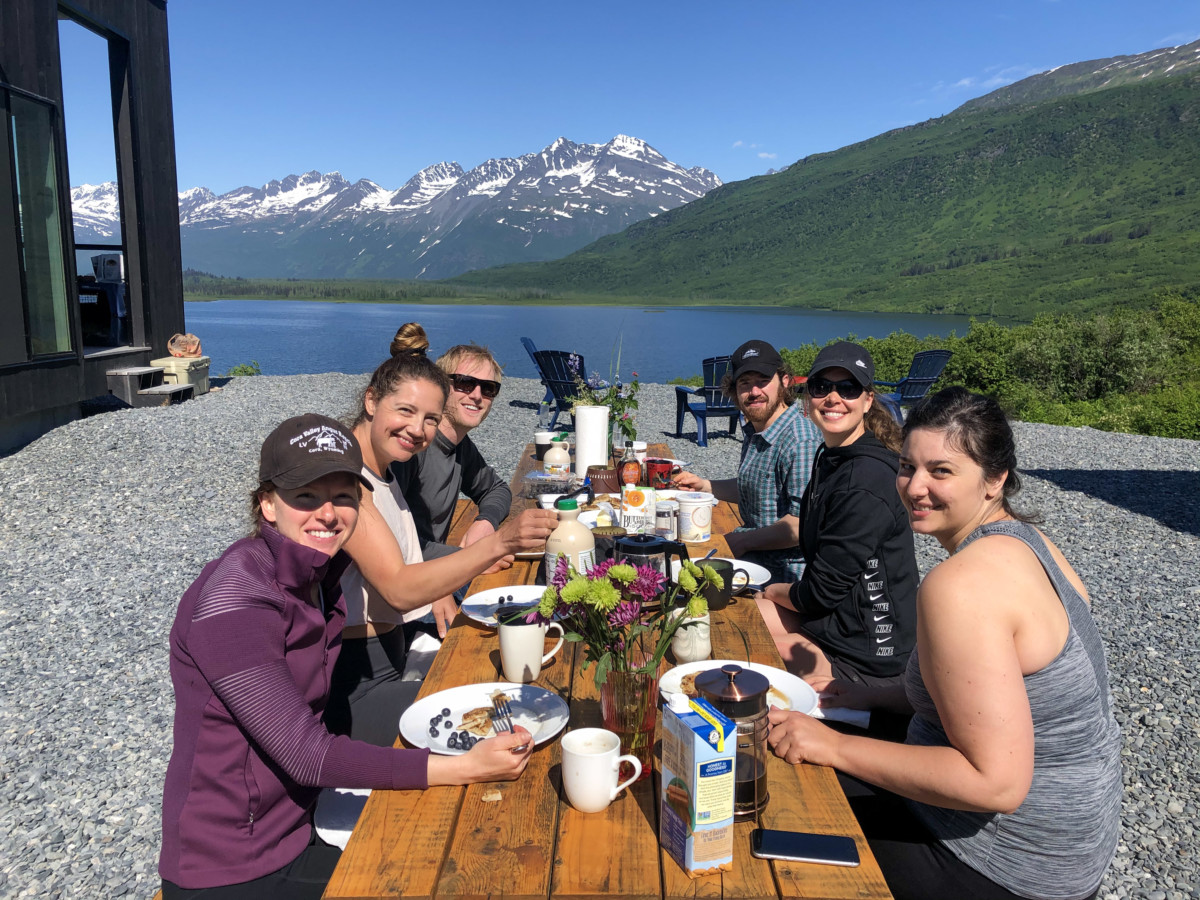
(712, 844)
(714, 791)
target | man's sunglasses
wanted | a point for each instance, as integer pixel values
(464, 384)
(823, 387)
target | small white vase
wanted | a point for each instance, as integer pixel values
(692, 641)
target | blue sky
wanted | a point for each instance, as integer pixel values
(380, 89)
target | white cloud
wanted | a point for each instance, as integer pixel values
(767, 155)
(739, 143)
(1178, 39)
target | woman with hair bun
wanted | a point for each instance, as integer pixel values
(390, 583)
(1009, 781)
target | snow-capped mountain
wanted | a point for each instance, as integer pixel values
(442, 222)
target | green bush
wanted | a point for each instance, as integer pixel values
(250, 368)
(1130, 370)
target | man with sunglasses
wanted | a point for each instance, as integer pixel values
(431, 481)
(776, 460)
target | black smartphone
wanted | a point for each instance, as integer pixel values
(801, 846)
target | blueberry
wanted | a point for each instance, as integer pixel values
(433, 732)
(452, 741)
(435, 720)
(464, 736)
(446, 712)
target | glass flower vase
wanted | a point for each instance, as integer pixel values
(628, 705)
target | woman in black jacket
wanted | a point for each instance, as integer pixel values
(852, 615)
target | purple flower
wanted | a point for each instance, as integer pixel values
(648, 585)
(561, 573)
(601, 571)
(573, 362)
(626, 613)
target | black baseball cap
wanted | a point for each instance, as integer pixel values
(755, 356)
(851, 357)
(308, 447)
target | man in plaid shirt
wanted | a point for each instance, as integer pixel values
(776, 462)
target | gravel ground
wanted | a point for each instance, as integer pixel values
(111, 517)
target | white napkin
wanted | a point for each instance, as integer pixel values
(337, 813)
(860, 718)
(421, 652)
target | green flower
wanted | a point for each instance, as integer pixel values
(697, 606)
(603, 595)
(692, 569)
(687, 580)
(575, 591)
(713, 577)
(548, 603)
(623, 572)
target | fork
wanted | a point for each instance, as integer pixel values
(502, 718)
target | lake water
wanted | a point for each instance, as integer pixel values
(293, 337)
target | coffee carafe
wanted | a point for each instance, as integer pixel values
(649, 550)
(741, 695)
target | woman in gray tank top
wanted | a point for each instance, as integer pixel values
(1010, 772)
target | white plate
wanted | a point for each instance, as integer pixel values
(786, 689)
(543, 713)
(758, 574)
(482, 607)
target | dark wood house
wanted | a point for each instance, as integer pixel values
(52, 355)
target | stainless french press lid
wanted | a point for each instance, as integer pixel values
(738, 693)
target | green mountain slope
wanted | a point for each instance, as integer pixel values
(1077, 202)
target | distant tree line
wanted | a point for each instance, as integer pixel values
(1131, 370)
(200, 285)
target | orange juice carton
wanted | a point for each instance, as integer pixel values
(696, 822)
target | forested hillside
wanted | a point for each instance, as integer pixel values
(1078, 203)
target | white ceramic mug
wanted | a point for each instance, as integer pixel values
(521, 647)
(591, 764)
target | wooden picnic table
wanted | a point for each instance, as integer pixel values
(530, 843)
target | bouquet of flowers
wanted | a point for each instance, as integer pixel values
(619, 397)
(607, 609)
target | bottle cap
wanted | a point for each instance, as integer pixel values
(566, 503)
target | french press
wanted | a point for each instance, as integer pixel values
(741, 695)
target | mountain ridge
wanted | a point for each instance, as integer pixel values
(443, 220)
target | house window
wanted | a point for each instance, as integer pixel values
(31, 163)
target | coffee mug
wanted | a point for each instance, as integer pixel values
(659, 472)
(541, 443)
(719, 599)
(591, 765)
(521, 646)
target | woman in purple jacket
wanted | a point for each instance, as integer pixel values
(252, 648)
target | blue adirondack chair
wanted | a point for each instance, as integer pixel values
(706, 401)
(925, 369)
(532, 351)
(557, 369)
